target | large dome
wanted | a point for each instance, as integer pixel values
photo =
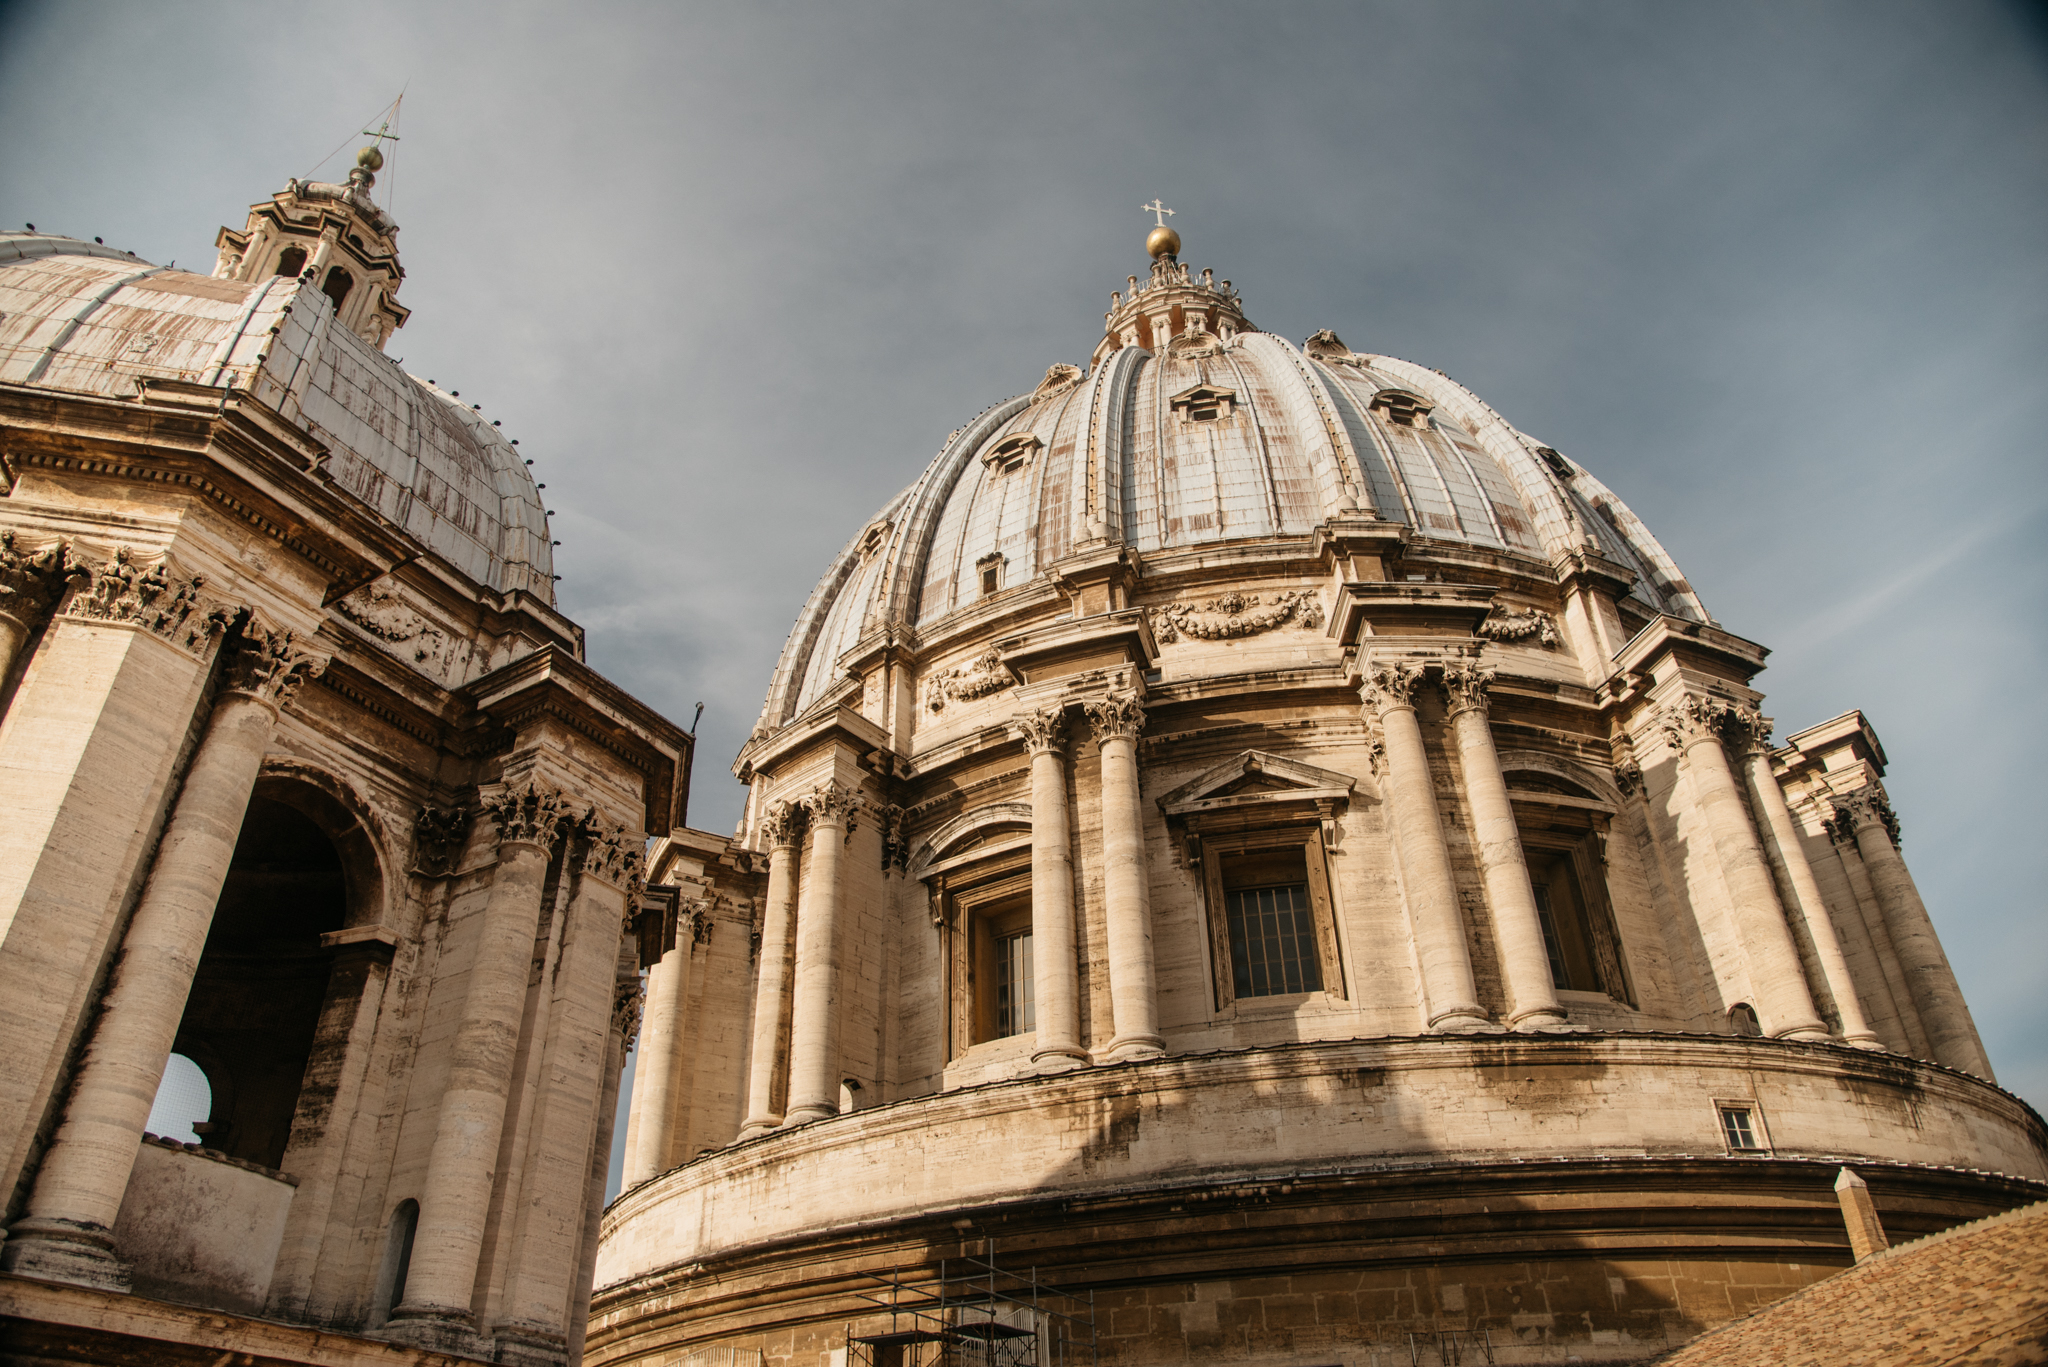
(82, 318)
(1192, 429)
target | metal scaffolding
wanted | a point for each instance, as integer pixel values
(974, 1313)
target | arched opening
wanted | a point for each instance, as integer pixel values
(980, 883)
(337, 285)
(1742, 1019)
(1563, 830)
(291, 261)
(184, 1102)
(405, 1222)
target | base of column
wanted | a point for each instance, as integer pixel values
(1543, 1022)
(1870, 1042)
(437, 1330)
(804, 1115)
(1808, 1034)
(1464, 1021)
(59, 1251)
(526, 1345)
(1060, 1058)
(1129, 1048)
(757, 1126)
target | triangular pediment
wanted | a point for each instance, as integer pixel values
(1256, 779)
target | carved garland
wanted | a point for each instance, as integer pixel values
(1234, 615)
(985, 675)
(1503, 624)
(384, 615)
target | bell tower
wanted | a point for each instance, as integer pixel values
(332, 236)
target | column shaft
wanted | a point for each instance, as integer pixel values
(13, 631)
(1950, 1032)
(651, 1129)
(1517, 927)
(77, 1194)
(1911, 1035)
(771, 992)
(1451, 997)
(1776, 976)
(814, 1014)
(1788, 855)
(1056, 986)
(456, 1196)
(1126, 881)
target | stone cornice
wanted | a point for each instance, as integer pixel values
(840, 722)
(1405, 607)
(551, 682)
(1692, 643)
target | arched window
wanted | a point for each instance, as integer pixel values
(184, 1100)
(337, 285)
(1742, 1016)
(291, 261)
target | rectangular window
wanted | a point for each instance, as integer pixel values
(1015, 986)
(1272, 941)
(1552, 946)
(1737, 1130)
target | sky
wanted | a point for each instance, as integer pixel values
(1777, 274)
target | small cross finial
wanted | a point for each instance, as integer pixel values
(1159, 212)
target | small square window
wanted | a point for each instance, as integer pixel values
(1738, 1129)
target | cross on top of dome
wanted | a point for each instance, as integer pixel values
(1171, 302)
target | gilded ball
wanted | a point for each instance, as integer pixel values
(1162, 241)
(370, 159)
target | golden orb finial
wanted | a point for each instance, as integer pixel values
(1162, 241)
(370, 159)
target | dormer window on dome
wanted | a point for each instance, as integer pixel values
(1012, 453)
(1402, 407)
(1203, 403)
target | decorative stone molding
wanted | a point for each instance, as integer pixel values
(1115, 716)
(1866, 807)
(384, 615)
(835, 805)
(532, 814)
(702, 921)
(1234, 615)
(783, 823)
(895, 847)
(612, 852)
(30, 580)
(1533, 624)
(1465, 687)
(1059, 377)
(985, 675)
(1327, 347)
(123, 591)
(1042, 729)
(627, 999)
(437, 834)
(1389, 685)
(267, 666)
(1628, 776)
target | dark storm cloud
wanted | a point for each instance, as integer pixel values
(1775, 273)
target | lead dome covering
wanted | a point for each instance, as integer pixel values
(1220, 434)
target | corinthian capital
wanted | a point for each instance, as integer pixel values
(1389, 684)
(1746, 731)
(1465, 687)
(29, 580)
(834, 804)
(895, 846)
(1867, 807)
(267, 666)
(150, 597)
(783, 824)
(1114, 716)
(1043, 730)
(531, 815)
(1694, 718)
(612, 852)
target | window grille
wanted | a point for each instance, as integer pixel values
(1273, 942)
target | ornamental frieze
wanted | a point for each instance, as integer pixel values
(1534, 624)
(407, 635)
(1235, 615)
(977, 679)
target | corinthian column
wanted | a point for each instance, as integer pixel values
(1126, 884)
(68, 1235)
(1749, 736)
(1451, 999)
(1533, 1003)
(456, 1196)
(814, 1017)
(28, 584)
(1693, 728)
(657, 1103)
(1950, 1032)
(785, 828)
(1055, 987)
